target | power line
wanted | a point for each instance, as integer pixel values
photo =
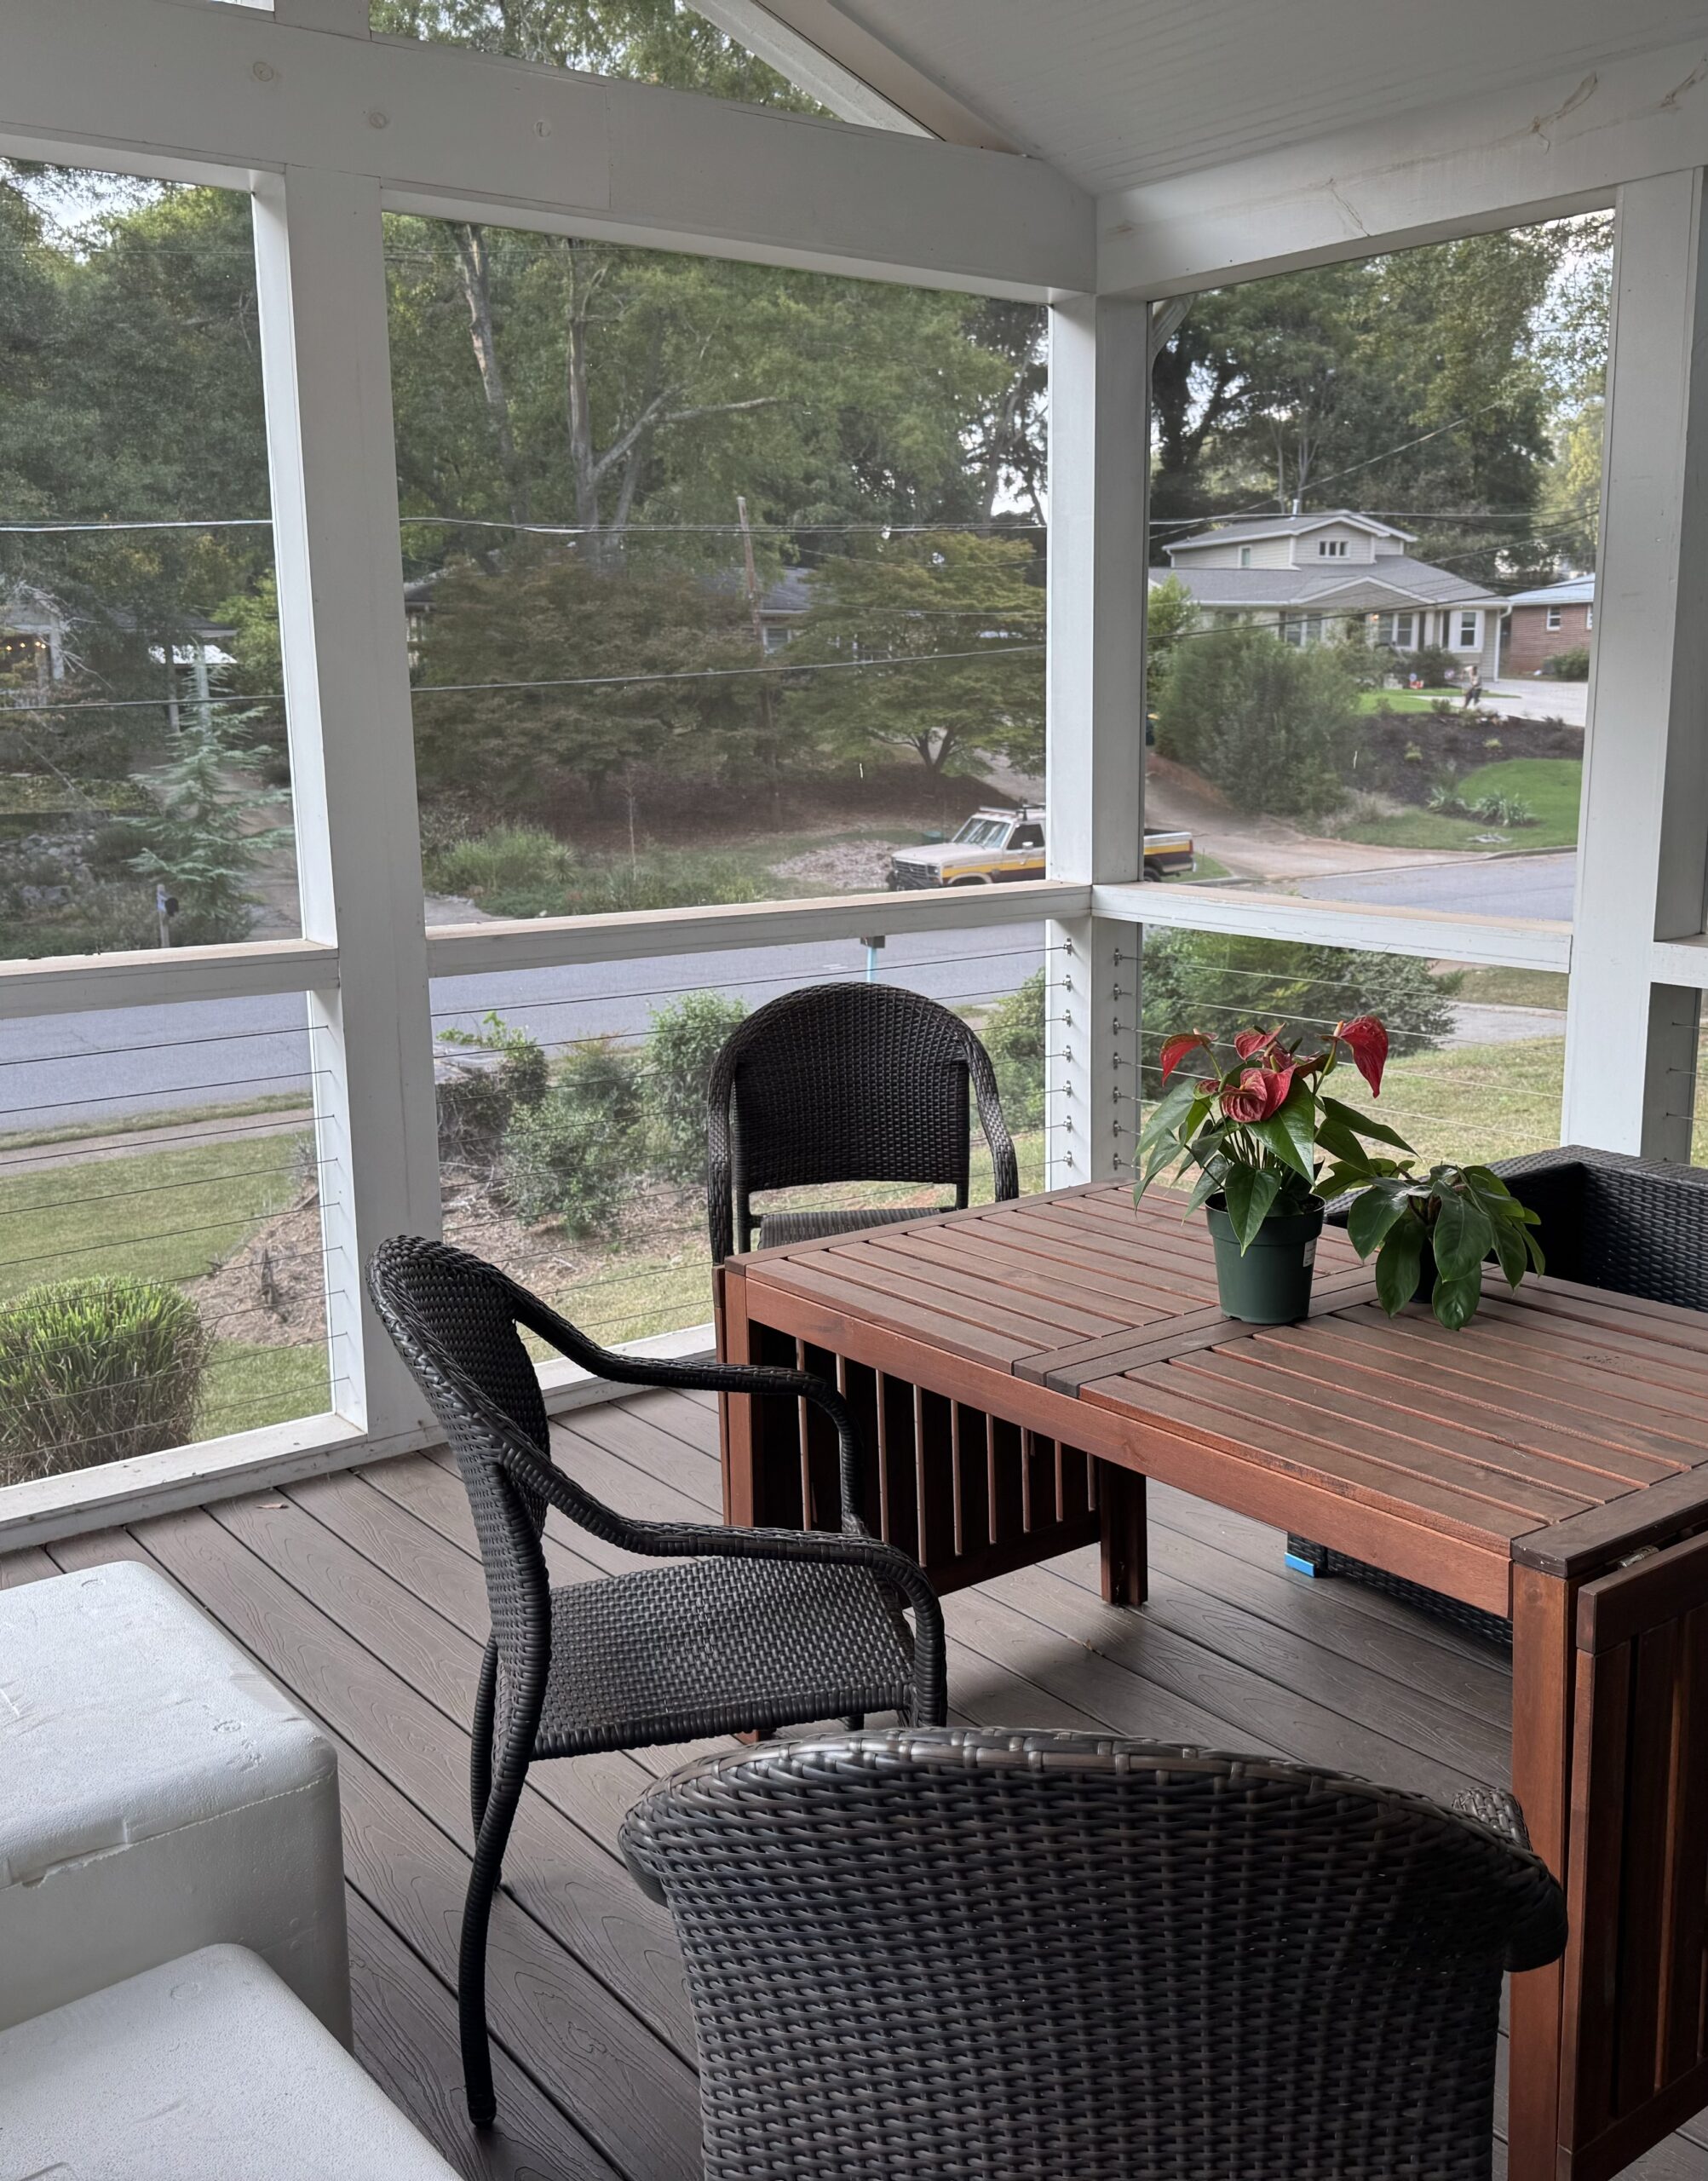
(999, 528)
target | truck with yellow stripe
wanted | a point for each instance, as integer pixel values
(995, 846)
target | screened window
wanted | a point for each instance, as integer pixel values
(1555, 619)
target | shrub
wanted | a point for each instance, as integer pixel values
(1434, 664)
(1013, 1037)
(1268, 723)
(95, 1370)
(673, 882)
(687, 1038)
(1504, 810)
(475, 1099)
(570, 1156)
(1222, 981)
(1573, 665)
(517, 871)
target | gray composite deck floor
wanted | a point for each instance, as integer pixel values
(359, 1593)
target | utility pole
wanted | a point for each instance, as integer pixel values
(767, 724)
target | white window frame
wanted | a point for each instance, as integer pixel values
(1333, 549)
(1245, 556)
(1461, 641)
(329, 127)
(1555, 621)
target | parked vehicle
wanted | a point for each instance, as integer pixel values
(995, 847)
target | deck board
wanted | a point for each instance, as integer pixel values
(362, 1593)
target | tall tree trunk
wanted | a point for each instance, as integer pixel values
(477, 292)
(578, 409)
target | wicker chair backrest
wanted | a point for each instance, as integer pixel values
(845, 1082)
(1035, 1954)
(454, 1321)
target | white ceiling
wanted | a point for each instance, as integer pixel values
(1117, 92)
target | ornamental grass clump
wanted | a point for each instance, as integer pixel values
(95, 1370)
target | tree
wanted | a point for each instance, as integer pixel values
(202, 845)
(961, 614)
(560, 678)
(1267, 722)
(1169, 615)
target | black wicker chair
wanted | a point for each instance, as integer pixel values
(745, 1631)
(844, 1083)
(1635, 1226)
(1022, 1955)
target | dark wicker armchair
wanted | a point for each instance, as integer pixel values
(742, 1629)
(844, 1083)
(1023, 1956)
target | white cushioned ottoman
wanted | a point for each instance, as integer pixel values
(160, 1794)
(203, 2070)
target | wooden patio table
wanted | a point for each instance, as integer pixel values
(1020, 1369)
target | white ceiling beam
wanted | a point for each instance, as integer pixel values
(1563, 144)
(157, 85)
(842, 65)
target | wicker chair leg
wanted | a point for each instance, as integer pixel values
(471, 1967)
(480, 1738)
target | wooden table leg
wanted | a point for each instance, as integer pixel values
(1543, 1666)
(1125, 1553)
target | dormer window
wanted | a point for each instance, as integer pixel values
(1245, 556)
(1331, 548)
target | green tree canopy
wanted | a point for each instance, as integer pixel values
(962, 612)
(1266, 721)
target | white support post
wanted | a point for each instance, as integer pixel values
(1099, 493)
(327, 370)
(1630, 1044)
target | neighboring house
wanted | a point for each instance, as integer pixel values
(1309, 576)
(782, 603)
(1560, 617)
(32, 635)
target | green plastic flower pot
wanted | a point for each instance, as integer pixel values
(1270, 1284)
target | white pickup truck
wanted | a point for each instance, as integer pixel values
(995, 846)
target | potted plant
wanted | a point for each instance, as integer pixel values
(1263, 1132)
(1431, 1235)
(1271, 1145)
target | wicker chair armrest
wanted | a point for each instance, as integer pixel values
(1498, 1810)
(714, 1540)
(712, 1378)
(1538, 1935)
(1004, 1167)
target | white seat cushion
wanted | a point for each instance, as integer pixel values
(160, 1795)
(203, 2070)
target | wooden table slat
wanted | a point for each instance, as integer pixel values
(1515, 1502)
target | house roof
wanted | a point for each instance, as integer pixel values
(1392, 585)
(1576, 590)
(1241, 529)
(1120, 93)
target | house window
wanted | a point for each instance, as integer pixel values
(1589, 618)
(1469, 635)
(1331, 548)
(1555, 619)
(1398, 630)
(1245, 556)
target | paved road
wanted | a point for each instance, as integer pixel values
(1501, 886)
(145, 1060)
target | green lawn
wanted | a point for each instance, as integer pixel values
(1470, 1102)
(1549, 786)
(1405, 700)
(247, 1387)
(163, 1215)
(1514, 987)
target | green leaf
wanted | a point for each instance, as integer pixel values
(1538, 1261)
(1456, 1300)
(1463, 1236)
(1400, 1265)
(1208, 1183)
(1278, 1140)
(1298, 1119)
(1338, 1140)
(1169, 1110)
(1509, 1249)
(1370, 1218)
(1250, 1191)
(1362, 1125)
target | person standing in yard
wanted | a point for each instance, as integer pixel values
(1473, 696)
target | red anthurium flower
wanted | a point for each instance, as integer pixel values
(1177, 1049)
(1251, 1043)
(1259, 1092)
(1366, 1039)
